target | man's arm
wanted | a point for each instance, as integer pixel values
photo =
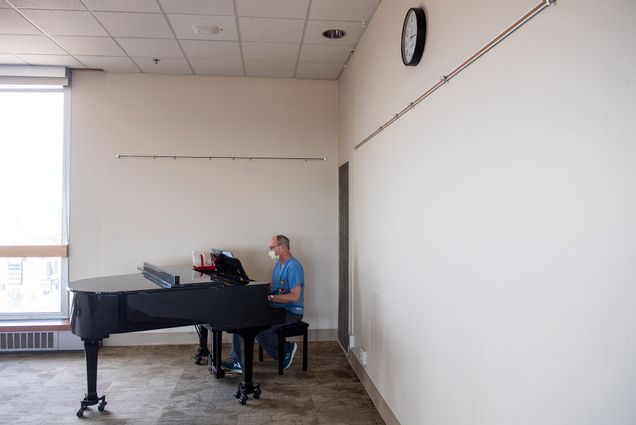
(292, 297)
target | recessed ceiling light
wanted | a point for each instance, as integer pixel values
(334, 34)
(206, 29)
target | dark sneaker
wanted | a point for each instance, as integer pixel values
(232, 366)
(289, 355)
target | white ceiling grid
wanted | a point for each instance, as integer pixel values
(255, 38)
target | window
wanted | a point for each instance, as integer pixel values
(33, 211)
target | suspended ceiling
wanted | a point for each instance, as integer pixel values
(253, 38)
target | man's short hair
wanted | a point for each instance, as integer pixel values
(282, 240)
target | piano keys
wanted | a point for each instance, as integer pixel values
(166, 297)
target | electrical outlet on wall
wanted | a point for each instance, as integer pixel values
(352, 341)
(363, 356)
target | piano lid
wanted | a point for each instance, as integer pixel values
(144, 281)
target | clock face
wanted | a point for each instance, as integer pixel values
(413, 36)
(410, 33)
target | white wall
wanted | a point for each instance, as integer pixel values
(493, 234)
(124, 212)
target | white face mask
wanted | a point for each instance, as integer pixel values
(273, 255)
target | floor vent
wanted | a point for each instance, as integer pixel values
(28, 341)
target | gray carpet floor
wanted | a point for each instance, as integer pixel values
(162, 385)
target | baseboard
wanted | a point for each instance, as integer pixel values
(322, 334)
(383, 408)
(188, 336)
(153, 338)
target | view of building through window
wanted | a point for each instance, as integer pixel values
(30, 285)
(32, 191)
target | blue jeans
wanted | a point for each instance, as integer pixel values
(268, 339)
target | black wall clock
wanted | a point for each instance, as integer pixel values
(413, 36)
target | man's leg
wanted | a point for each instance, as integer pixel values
(268, 339)
(234, 364)
(235, 353)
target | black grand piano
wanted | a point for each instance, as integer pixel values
(166, 297)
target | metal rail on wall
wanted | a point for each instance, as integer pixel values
(211, 157)
(446, 78)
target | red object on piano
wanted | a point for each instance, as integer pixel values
(206, 264)
(211, 268)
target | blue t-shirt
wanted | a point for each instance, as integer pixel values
(284, 278)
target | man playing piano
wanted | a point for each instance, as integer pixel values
(288, 292)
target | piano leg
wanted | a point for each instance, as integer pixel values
(91, 349)
(247, 387)
(202, 351)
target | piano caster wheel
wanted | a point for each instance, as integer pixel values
(100, 401)
(242, 393)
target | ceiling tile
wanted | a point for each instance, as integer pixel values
(125, 35)
(338, 10)
(274, 30)
(318, 71)
(65, 22)
(151, 47)
(214, 67)
(10, 60)
(270, 69)
(11, 22)
(164, 66)
(314, 30)
(49, 4)
(322, 53)
(109, 64)
(199, 7)
(184, 27)
(215, 50)
(294, 9)
(150, 25)
(150, 6)
(56, 60)
(93, 46)
(270, 52)
(30, 44)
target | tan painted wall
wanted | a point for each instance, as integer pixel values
(493, 234)
(124, 212)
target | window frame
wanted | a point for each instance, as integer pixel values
(49, 251)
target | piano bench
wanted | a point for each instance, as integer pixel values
(293, 329)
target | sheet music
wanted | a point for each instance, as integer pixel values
(217, 252)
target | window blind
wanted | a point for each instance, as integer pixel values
(34, 75)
